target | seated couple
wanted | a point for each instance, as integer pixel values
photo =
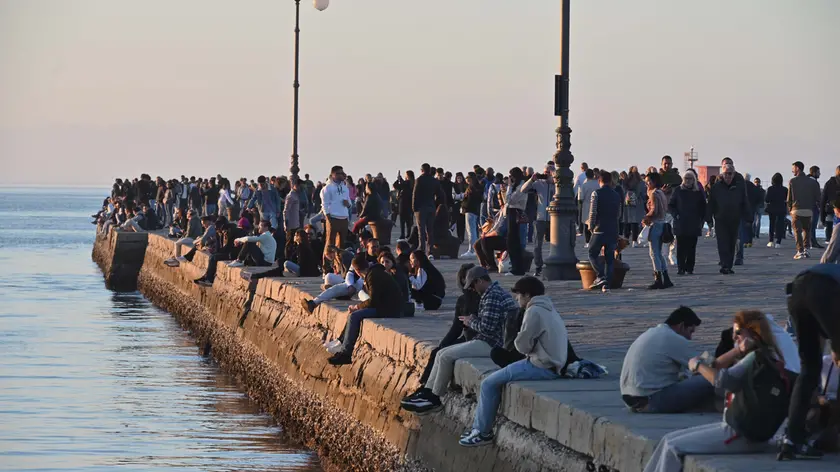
(543, 341)
(655, 376)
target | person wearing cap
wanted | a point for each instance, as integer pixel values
(495, 306)
(543, 340)
(654, 364)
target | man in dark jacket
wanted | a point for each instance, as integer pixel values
(604, 211)
(830, 192)
(728, 207)
(426, 189)
(385, 301)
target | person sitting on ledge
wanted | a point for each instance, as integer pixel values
(654, 364)
(384, 301)
(465, 305)
(427, 285)
(227, 233)
(208, 242)
(258, 250)
(340, 282)
(302, 261)
(193, 231)
(495, 307)
(755, 344)
(371, 250)
(543, 340)
(494, 239)
(371, 211)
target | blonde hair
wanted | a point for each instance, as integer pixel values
(758, 324)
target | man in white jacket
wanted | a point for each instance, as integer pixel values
(543, 340)
(256, 250)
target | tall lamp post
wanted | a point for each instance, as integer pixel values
(560, 264)
(320, 5)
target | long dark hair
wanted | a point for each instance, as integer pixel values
(777, 179)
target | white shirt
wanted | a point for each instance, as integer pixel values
(786, 345)
(579, 181)
(333, 198)
(265, 241)
(419, 281)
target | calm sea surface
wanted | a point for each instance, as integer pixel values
(96, 380)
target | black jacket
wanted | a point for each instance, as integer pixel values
(688, 207)
(308, 261)
(372, 210)
(385, 293)
(426, 188)
(467, 304)
(472, 200)
(728, 202)
(406, 196)
(776, 200)
(831, 192)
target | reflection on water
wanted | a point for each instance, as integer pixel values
(95, 380)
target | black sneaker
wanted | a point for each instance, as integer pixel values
(598, 283)
(424, 405)
(421, 392)
(739, 262)
(340, 359)
(791, 452)
(538, 272)
(308, 305)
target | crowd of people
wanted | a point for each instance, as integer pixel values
(298, 228)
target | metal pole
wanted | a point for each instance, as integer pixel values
(561, 261)
(295, 169)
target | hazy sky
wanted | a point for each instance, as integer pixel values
(94, 88)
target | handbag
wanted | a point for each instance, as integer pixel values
(667, 234)
(644, 235)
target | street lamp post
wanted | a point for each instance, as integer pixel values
(561, 261)
(320, 5)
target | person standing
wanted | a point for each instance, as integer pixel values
(584, 196)
(688, 209)
(471, 209)
(670, 181)
(406, 194)
(543, 186)
(813, 298)
(776, 208)
(635, 199)
(516, 201)
(803, 197)
(758, 207)
(657, 206)
(426, 188)
(728, 207)
(830, 193)
(604, 211)
(814, 173)
(579, 180)
(336, 202)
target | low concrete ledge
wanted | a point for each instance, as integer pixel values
(120, 254)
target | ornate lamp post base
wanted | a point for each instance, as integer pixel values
(561, 261)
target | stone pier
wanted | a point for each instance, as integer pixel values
(351, 414)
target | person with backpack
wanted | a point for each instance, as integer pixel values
(757, 395)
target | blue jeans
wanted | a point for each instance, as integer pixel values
(608, 242)
(681, 396)
(491, 390)
(655, 238)
(354, 327)
(472, 228)
(293, 268)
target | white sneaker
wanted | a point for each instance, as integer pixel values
(634, 244)
(798, 256)
(236, 264)
(431, 257)
(468, 254)
(586, 246)
(418, 307)
(508, 274)
(777, 246)
(334, 346)
(181, 259)
(770, 244)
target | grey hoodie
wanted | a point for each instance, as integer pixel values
(543, 337)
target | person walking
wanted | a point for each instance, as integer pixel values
(688, 209)
(776, 208)
(728, 207)
(803, 196)
(604, 211)
(635, 199)
(657, 206)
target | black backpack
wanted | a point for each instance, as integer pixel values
(759, 409)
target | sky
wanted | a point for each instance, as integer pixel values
(96, 89)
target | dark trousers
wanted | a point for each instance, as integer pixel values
(608, 243)
(354, 327)
(777, 228)
(726, 233)
(514, 242)
(428, 300)
(485, 250)
(251, 255)
(829, 227)
(406, 222)
(587, 235)
(461, 226)
(812, 304)
(631, 231)
(686, 252)
(211, 266)
(425, 229)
